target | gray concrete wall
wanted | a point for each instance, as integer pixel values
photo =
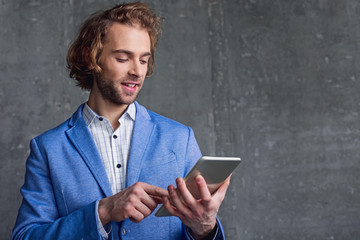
(274, 82)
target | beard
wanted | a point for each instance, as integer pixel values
(110, 92)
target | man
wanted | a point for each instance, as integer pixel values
(102, 173)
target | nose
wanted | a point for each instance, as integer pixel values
(136, 69)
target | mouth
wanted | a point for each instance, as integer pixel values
(130, 87)
(130, 84)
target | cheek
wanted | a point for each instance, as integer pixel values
(113, 71)
(145, 67)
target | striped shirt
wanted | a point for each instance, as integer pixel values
(113, 145)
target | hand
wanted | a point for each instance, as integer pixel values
(136, 202)
(198, 215)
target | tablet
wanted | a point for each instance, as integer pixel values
(214, 170)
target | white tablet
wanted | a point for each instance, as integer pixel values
(214, 170)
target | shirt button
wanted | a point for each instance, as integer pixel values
(123, 231)
(118, 166)
(115, 137)
(100, 119)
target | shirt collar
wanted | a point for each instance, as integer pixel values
(89, 115)
(131, 111)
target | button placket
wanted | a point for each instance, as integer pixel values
(116, 158)
(115, 146)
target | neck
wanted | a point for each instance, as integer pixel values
(107, 109)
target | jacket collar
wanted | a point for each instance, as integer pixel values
(142, 132)
(81, 138)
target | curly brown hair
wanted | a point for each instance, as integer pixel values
(92, 34)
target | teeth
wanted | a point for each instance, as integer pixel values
(130, 85)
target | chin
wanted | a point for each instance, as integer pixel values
(123, 101)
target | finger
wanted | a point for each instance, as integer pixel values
(185, 194)
(203, 190)
(149, 202)
(171, 209)
(154, 191)
(136, 216)
(177, 202)
(143, 209)
(145, 192)
(221, 192)
(158, 200)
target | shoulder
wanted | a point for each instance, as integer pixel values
(59, 132)
(159, 119)
(54, 132)
(162, 122)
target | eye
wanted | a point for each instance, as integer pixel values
(121, 60)
(143, 61)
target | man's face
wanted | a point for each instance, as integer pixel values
(124, 60)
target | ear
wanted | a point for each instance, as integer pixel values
(86, 58)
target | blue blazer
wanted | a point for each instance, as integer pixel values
(65, 177)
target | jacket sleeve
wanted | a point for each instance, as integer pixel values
(193, 153)
(219, 235)
(38, 216)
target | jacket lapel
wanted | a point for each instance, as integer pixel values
(142, 131)
(81, 138)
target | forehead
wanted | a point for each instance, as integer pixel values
(132, 38)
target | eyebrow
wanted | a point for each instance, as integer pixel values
(130, 52)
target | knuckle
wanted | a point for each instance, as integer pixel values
(140, 218)
(132, 199)
(173, 193)
(136, 191)
(128, 208)
(158, 191)
(138, 185)
(188, 201)
(152, 206)
(207, 198)
(147, 212)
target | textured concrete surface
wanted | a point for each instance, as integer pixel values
(274, 82)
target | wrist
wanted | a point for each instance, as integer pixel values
(103, 213)
(208, 232)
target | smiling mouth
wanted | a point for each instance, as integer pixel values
(130, 85)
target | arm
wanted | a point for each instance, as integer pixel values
(39, 217)
(198, 226)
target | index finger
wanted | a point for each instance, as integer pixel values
(154, 190)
